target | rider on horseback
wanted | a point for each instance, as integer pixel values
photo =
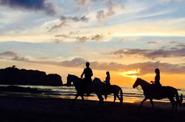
(107, 83)
(87, 73)
(157, 78)
(107, 79)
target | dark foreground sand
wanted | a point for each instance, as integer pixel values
(16, 109)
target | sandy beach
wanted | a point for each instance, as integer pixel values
(54, 109)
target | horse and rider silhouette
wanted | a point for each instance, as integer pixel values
(157, 91)
(153, 90)
(86, 77)
(85, 85)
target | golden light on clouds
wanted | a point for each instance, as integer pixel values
(130, 74)
(128, 38)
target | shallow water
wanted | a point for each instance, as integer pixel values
(130, 95)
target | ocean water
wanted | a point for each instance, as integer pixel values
(129, 94)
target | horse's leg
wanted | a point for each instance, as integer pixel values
(151, 101)
(105, 96)
(143, 101)
(121, 95)
(76, 96)
(118, 96)
(100, 98)
(75, 100)
(114, 98)
(172, 102)
(82, 96)
(175, 104)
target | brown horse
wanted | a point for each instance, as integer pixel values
(154, 92)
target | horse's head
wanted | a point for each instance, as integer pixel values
(137, 82)
(96, 80)
(70, 79)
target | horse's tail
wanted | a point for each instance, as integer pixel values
(121, 95)
(181, 99)
(178, 98)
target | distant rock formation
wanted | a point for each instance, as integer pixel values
(15, 76)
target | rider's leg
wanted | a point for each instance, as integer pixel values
(88, 86)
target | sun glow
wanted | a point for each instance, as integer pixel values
(131, 74)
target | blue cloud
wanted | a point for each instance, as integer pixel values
(30, 4)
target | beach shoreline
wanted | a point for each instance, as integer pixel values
(58, 109)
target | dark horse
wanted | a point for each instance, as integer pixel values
(79, 86)
(108, 89)
(154, 92)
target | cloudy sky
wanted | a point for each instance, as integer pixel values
(129, 38)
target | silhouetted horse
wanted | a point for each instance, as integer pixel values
(154, 92)
(104, 89)
(79, 86)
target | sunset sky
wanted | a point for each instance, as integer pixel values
(129, 38)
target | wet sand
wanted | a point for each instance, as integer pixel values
(54, 110)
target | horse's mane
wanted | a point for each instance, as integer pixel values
(71, 75)
(143, 80)
(97, 79)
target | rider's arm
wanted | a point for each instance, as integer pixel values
(82, 74)
(91, 73)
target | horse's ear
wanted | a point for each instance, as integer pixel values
(95, 78)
